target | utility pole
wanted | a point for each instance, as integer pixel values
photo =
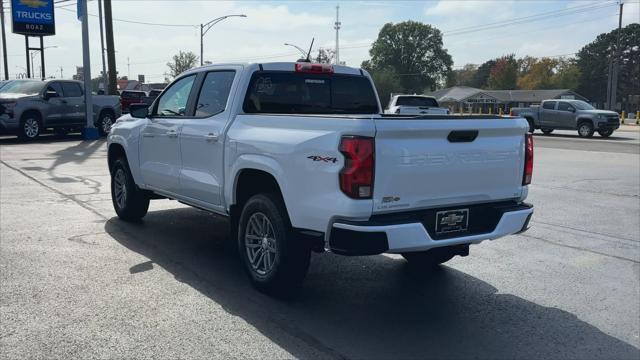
(128, 69)
(616, 62)
(104, 66)
(337, 27)
(111, 51)
(89, 132)
(4, 42)
(612, 75)
(61, 75)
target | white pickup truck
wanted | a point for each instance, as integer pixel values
(300, 158)
(415, 105)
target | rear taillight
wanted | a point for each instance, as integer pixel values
(528, 159)
(356, 178)
(314, 68)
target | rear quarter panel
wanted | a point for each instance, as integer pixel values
(285, 147)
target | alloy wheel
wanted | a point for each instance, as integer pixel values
(120, 188)
(31, 128)
(260, 244)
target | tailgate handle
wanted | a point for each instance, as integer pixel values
(462, 135)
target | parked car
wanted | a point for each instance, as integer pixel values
(299, 157)
(415, 105)
(128, 97)
(27, 107)
(569, 115)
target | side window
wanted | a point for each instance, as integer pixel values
(549, 105)
(173, 102)
(565, 106)
(71, 89)
(214, 94)
(55, 86)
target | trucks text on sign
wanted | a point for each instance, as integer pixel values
(33, 17)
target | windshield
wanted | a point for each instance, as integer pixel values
(23, 87)
(298, 93)
(581, 105)
(416, 101)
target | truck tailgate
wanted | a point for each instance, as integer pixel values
(426, 163)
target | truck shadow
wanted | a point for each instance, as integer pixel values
(363, 307)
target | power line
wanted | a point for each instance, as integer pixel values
(139, 22)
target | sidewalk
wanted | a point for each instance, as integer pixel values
(629, 124)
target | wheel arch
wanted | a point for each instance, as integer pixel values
(581, 120)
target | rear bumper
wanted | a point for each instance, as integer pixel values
(353, 238)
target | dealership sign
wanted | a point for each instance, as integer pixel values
(33, 17)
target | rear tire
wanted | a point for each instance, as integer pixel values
(605, 133)
(585, 129)
(547, 131)
(275, 261)
(105, 122)
(129, 202)
(431, 258)
(61, 132)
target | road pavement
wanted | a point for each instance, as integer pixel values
(75, 282)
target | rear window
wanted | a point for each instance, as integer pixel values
(416, 101)
(133, 94)
(549, 105)
(298, 93)
(71, 89)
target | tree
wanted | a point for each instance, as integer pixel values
(540, 76)
(593, 63)
(567, 75)
(325, 56)
(462, 77)
(414, 52)
(525, 64)
(181, 62)
(481, 77)
(504, 73)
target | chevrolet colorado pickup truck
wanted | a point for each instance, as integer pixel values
(569, 115)
(27, 107)
(299, 157)
(414, 105)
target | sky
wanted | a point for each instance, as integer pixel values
(474, 31)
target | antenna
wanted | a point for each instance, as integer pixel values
(309, 52)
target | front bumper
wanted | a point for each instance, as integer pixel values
(611, 124)
(8, 123)
(370, 238)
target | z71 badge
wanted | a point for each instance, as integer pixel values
(322, 158)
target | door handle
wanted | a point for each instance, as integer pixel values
(63, 101)
(147, 135)
(211, 137)
(172, 133)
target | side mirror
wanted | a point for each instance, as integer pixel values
(139, 111)
(572, 109)
(50, 94)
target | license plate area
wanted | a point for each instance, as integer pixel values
(452, 221)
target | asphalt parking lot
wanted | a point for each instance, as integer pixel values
(77, 282)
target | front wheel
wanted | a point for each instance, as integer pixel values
(605, 133)
(547, 131)
(129, 202)
(30, 127)
(275, 261)
(585, 130)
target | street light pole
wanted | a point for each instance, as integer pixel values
(204, 28)
(304, 53)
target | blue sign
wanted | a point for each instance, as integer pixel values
(33, 17)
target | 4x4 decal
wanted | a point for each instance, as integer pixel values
(322, 158)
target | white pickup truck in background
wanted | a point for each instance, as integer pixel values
(414, 105)
(300, 158)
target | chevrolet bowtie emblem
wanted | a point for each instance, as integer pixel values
(451, 219)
